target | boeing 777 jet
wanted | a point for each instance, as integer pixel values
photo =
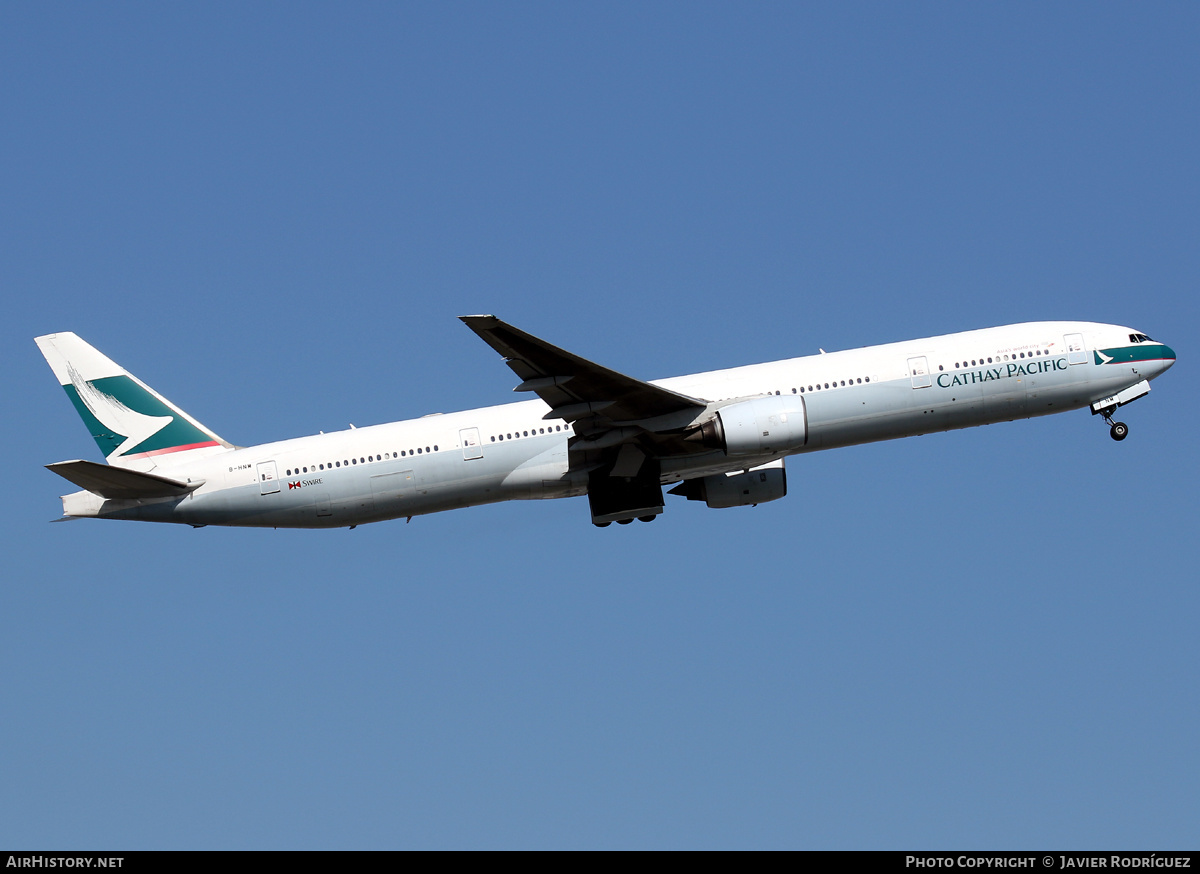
(720, 437)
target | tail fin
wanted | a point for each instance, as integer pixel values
(133, 425)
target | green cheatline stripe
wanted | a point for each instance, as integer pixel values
(1141, 352)
(180, 432)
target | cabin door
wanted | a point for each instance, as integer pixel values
(1076, 351)
(918, 369)
(268, 478)
(472, 448)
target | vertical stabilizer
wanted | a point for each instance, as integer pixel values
(133, 425)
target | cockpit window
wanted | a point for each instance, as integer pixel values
(1139, 338)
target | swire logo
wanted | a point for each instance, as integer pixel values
(294, 485)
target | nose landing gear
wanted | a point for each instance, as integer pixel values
(1117, 430)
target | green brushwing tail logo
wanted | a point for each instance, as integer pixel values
(126, 420)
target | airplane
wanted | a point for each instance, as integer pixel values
(720, 437)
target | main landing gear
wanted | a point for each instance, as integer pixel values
(625, 521)
(1117, 430)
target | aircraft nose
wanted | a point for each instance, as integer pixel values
(1168, 355)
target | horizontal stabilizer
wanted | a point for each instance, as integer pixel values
(118, 482)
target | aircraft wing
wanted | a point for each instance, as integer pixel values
(578, 390)
(120, 482)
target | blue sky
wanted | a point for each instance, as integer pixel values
(273, 215)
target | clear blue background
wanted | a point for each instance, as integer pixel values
(273, 214)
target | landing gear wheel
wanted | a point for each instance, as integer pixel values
(1119, 431)
(647, 518)
(601, 524)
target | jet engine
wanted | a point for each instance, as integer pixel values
(756, 427)
(755, 486)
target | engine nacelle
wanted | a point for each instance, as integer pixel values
(755, 486)
(757, 427)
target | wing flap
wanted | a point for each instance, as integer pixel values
(119, 482)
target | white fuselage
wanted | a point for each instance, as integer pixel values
(507, 452)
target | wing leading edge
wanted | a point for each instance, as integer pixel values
(595, 398)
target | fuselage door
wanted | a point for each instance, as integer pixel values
(1076, 351)
(918, 369)
(268, 478)
(472, 448)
